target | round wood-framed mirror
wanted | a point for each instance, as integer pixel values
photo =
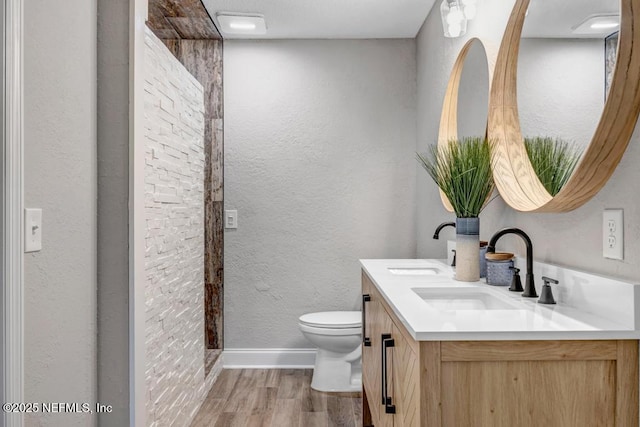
(466, 102)
(514, 176)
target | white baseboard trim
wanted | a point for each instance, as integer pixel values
(268, 358)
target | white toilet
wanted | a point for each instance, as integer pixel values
(338, 335)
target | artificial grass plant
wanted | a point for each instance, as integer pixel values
(462, 170)
(553, 161)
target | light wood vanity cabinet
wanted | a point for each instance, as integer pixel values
(493, 383)
(401, 361)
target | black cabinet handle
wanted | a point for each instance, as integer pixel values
(366, 341)
(383, 368)
(387, 400)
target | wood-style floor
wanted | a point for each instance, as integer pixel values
(275, 398)
(210, 358)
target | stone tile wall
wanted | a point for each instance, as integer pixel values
(174, 209)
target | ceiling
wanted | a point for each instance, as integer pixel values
(555, 19)
(331, 19)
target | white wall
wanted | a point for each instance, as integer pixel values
(560, 88)
(572, 239)
(60, 178)
(319, 163)
(473, 98)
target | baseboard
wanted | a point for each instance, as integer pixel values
(268, 358)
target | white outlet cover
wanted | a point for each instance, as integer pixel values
(613, 234)
(32, 230)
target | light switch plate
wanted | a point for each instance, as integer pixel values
(231, 219)
(32, 230)
(613, 234)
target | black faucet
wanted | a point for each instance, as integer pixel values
(436, 235)
(529, 286)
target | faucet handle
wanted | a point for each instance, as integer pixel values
(516, 283)
(546, 295)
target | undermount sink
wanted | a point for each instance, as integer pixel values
(446, 299)
(415, 271)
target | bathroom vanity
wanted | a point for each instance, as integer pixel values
(437, 352)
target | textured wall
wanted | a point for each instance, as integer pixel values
(572, 239)
(174, 261)
(560, 88)
(319, 163)
(60, 178)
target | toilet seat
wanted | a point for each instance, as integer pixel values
(332, 320)
(329, 331)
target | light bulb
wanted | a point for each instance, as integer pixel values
(455, 15)
(454, 30)
(454, 22)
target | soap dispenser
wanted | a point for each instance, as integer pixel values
(516, 283)
(546, 296)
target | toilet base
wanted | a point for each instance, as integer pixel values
(336, 372)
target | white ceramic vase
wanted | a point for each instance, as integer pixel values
(468, 249)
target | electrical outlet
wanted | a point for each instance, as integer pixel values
(613, 234)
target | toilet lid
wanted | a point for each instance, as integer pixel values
(333, 319)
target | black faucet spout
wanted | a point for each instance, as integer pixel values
(530, 287)
(436, 235)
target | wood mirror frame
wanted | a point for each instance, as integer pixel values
(514, 176)
(449, 116)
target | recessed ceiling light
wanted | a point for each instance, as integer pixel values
(233, 23)
(242, 25)
(598, 24)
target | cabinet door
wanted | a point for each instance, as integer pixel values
(377, 323)
(406, 382)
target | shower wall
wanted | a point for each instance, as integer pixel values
(174, 262)
(198, 46)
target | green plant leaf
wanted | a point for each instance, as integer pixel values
(462, 170)
(553, 161)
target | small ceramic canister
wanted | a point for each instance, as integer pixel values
(498, 271)
(483, 259)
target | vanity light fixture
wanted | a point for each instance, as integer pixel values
(602, 24)
(454, 21)
(240, 24)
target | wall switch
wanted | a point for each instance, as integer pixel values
(613, 234)
(231, 219)
(32, 230)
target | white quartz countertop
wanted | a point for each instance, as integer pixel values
(521, 318)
